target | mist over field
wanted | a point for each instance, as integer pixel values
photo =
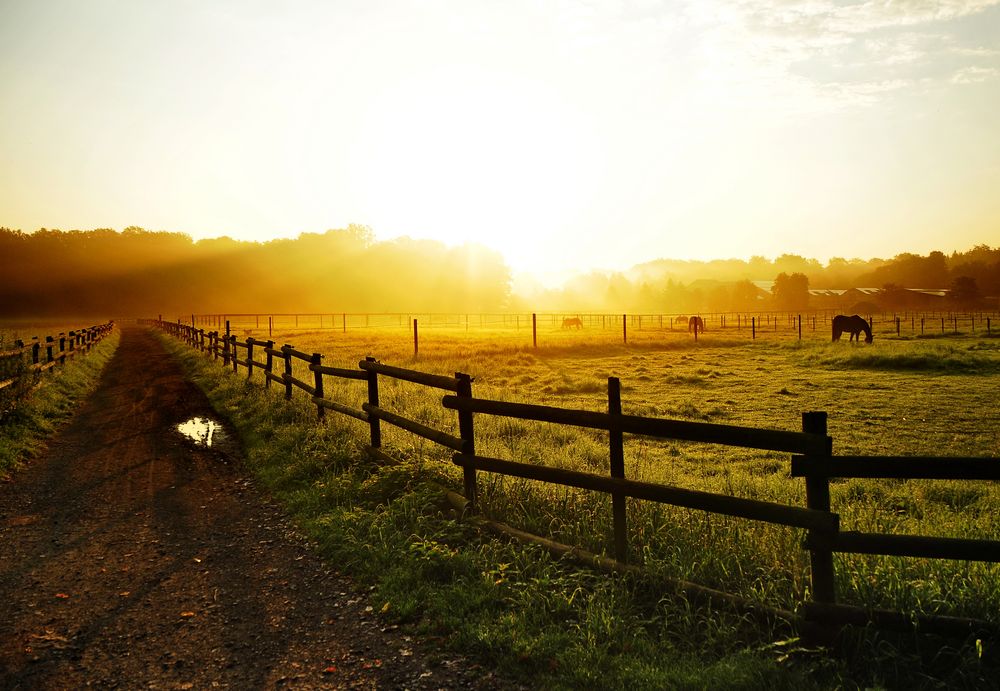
(140, 272)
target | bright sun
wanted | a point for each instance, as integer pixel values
(448, 158)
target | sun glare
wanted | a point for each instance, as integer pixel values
(465, 157)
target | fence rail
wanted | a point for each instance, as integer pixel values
(58, 349)
(813, 322)
(811, 459)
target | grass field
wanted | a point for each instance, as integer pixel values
(904, 395)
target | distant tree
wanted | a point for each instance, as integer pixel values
(964, 292)
(745, 295)
(791, 291)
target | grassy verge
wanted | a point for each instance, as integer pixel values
(24, 430)
(547, 622)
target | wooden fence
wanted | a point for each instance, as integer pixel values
(57, 349)
(811, 459)
(752, 325)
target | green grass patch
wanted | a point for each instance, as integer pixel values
(557, 625)
(26, 427)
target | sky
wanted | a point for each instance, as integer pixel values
(568, 135)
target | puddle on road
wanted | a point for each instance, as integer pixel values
(202, 431)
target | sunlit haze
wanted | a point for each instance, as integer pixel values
(567, 135)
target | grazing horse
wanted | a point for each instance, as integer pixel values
(853, 324)
(696, 324)
(572, 322)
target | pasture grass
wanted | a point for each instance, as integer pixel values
(25, 428)
(514, 606)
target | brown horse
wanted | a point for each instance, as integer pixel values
(853, 325)
(696, 324)
(572, 323)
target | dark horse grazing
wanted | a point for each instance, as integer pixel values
(696, 324)
(853, 324)
(572, 323)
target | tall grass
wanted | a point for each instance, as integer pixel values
(353, 507)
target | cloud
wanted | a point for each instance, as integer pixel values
(975, 75)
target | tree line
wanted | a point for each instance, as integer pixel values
(137, 272)
(969, 279)
(140, 272)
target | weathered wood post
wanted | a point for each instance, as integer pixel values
(625, 329)
(49, 342)
(270, 326)
(225, 347)
(467, 433)
(286, 351)
(818, 499)
(373, 421)
(617, 447)
(753, 328)
(268, 364)
(800, 327)
(35, 350)
(416, 348)
(534, 330)
(316, 362)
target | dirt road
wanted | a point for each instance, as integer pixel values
(129, 557)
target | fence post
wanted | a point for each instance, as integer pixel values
(373, 422)
(534, 330)
(35, 350)
(415, 343)
(317, 360)
(617, 447)
(467, 433)
(249, 357)
(287, 378)
(269, 364)
(818, 499)
(624, 329)
(753, 328)
(225, 347)
(800, 327)
(48, 348)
